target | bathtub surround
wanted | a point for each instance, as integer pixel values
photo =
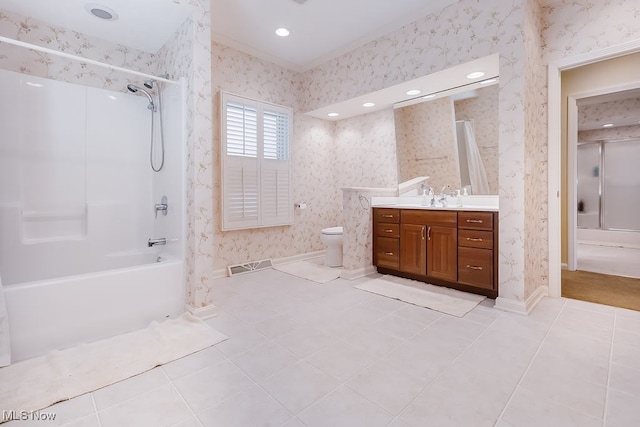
(37, 383)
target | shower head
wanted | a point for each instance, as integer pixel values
(135, 89)
(149, 83)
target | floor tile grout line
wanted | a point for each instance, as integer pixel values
(429, 383)
(524, 374)
(95, 408)
(173, 386)
(608, 389)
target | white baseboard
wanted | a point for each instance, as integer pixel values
(564, 266)
(203, 313)
(522, 307)
(356, 274)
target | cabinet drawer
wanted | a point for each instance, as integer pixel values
(476, 220)
(386, 215)
(475, 239)
(427, 217)
(387, 230)
(475, 267)
(387, 252)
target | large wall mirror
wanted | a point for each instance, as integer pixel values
(451, 139)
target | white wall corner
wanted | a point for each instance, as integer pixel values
(522, 307)
(360, 272)
(202, 313)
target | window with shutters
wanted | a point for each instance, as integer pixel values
(256, 164)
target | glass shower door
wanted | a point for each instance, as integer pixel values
(621, 185)
(589, 185)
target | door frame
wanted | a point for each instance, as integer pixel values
(554, 148)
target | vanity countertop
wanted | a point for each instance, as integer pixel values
(471, 203)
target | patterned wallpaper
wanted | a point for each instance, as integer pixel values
(536, 185)
(41, 64)
(574, 27)
(618, 112)
(426, 143)
(620, 132)
(313, 157)
(483, 111)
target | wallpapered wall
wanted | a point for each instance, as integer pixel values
(426, 143)
(626, 110)
(621, 132)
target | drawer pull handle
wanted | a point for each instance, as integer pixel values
(388, 230)
(387, 216)
(475, 221)
(474, 267)
(389, 253)
(475, 239)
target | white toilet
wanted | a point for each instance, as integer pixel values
(332, 237)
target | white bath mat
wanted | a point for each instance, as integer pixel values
(444, 300)
(310, 271)
(60, 375)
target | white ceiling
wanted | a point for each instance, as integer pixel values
(320, 29)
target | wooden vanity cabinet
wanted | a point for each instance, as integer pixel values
(477, 252)
(428, 244)
(444, 247)
(386, 238)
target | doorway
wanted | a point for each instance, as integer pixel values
(563, 198)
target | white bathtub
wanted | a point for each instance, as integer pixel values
(59, 313)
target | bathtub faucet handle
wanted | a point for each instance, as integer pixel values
(162, 206)
(153, 242)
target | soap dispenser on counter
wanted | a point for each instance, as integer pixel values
(459, 199)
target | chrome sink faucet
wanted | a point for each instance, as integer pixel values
(443, 196)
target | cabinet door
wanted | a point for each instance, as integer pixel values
(442, 253)
(413, 248)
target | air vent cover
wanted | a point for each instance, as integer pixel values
(248, 267)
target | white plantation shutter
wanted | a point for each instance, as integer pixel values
(256, 165)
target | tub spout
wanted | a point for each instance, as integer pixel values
(153, 242)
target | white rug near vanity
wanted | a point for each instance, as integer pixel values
(438, 298)
(310, 270)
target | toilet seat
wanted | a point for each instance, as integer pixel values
(332, 231)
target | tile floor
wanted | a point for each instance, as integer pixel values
(306, 354)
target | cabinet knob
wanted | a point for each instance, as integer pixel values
(475, 221)
(387, 215)
(389, 253)
(475, 239)
(474, 267)
(388, 230)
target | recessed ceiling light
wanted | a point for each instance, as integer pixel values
(368, 104)
(333, 114)
(431, 95)
(34, 84)
(112, 97)
(101, 11)
(413, 92)
(282, 32)
(608, 125)
(475, 75)
(488, 81)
